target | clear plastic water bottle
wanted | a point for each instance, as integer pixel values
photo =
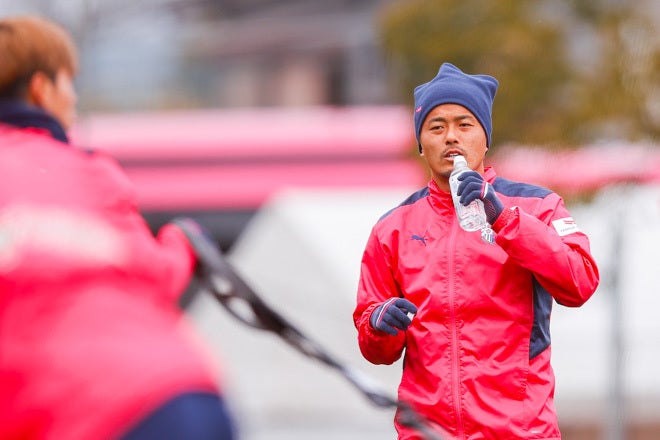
(473, 216)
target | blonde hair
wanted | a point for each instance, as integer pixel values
(31, 44)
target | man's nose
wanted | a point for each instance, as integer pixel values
(451, 134)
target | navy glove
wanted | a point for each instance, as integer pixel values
(473, 187)
(392, 315)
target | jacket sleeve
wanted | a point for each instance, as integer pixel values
(376, 285)
(551, 246)
(166, 260)
(179, 258)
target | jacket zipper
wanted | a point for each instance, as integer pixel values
(455, 367)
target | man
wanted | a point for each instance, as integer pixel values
(92, 344)
(477, 359)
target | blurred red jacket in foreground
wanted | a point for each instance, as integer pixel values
(91, 338)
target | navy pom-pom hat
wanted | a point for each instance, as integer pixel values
(451, 86)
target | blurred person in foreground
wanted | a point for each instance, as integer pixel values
(477, 352)
(92, 343)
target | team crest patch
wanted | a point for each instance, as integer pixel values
(565, 226)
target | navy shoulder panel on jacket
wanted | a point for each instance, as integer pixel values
(516, 189)
(417, 195)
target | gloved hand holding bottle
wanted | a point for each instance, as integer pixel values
(474, 187)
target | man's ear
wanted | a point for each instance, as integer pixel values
(39, 89)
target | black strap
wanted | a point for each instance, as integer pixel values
(231, 290)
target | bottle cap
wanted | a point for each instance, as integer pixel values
(460, 159)
(460, 162)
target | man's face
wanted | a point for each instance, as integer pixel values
(59, 98)
(448, 130)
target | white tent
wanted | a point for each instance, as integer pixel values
(302, 253)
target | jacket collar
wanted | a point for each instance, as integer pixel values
(23, 115)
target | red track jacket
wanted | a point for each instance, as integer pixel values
(91, 339)
(477, 355)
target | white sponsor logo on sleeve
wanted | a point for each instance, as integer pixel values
(65, 234)
(565, 226)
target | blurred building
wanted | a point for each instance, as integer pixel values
(261, 52)
(159, 54)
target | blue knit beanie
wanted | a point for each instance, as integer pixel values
(452, 86)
